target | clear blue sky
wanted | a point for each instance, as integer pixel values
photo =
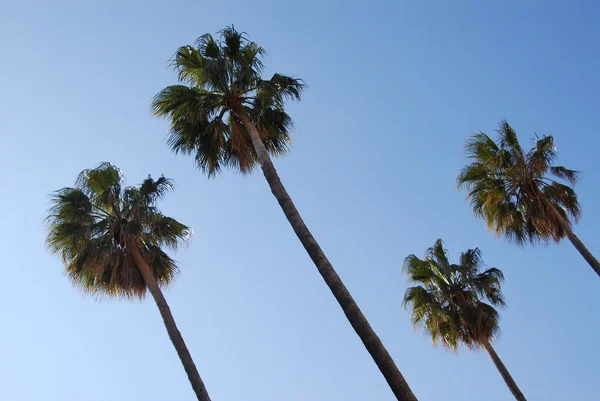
(395, 88)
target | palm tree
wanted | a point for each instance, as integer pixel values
(226, 115)
(110, 240)
(447, 302)
(520, 194)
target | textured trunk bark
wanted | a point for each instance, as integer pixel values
(356, 318)
(504, 372)
(587, 255)
(172, 330)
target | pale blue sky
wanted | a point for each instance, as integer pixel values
(395, 88)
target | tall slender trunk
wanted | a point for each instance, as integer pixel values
(356, 318)
(172, 330)
(504, 372)
(587, 255)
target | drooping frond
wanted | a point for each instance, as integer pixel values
(281, 88)
(274, 126)
(206, 141)
(479, 324)
(564, 199)
(190, 104)
(571, 176)
(239, 153)
(488, 284)
(163, 230)
(71, 219)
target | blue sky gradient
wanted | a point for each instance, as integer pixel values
(395, 88)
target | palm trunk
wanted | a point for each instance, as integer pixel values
(587, 255)
(504, 372)
(172, 330)
(356, 318)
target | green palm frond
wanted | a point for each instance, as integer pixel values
(217, 75)
(92, 225)
(479, 324)
(183, 103)
(281, 88)
(417, 270)
(571, 176)
(540, 158)
(438, 254)
(153, 190)
(448, 300)
(208, 46)
(488, 284)
(482, 148)
(166, 231)
(470, 261)
(507, 187)
(509, 141)
(564, 198)
(189, 64)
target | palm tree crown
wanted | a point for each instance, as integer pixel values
(512, 189)
(448, 299)
(94, 224)
(220, 80)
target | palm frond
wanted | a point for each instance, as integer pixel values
(72, 205)
(189, 64)
(180, 102)
(204, 141)
(208, 46)
(540, 158)
(438, 254)
(153, 190)
(509, 140)
(571, 176)
(471, 260)
(232, 42)
(481, 148)
(564, 199)
(417, 270)
(275, 127)
(101, 184)
(281, 88)
(166, 231)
